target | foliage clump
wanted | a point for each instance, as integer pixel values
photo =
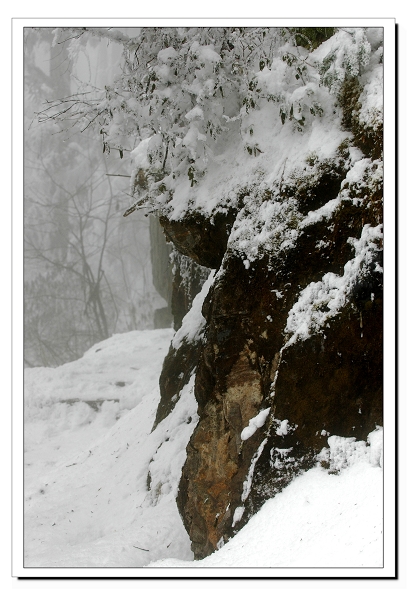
(311, 38)
(183, 90)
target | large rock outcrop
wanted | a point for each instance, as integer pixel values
(266, 405)
(291, 346)
(329, 381)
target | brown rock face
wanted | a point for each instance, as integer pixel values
(327, 382)
(330, 382)
(211, 483)
(200, 238)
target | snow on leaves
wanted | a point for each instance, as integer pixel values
(184, 86)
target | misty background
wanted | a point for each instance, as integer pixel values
(88, 272)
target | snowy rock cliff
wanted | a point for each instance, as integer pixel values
(287, 348)
(259, 152)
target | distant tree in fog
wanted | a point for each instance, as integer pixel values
(87, 271)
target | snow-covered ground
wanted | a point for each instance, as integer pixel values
(100, 487)
(319, 520)
(88, 498)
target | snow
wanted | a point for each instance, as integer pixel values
(283, 427)
(248, 483)
(356, 173)
(345, 452)
(139, 155)
(167, 55)
(121, 369)
(325, 211)
(237, 516)
(88, 499)
(195, 113)
(207, 54)
(100, 487)
(254, 424)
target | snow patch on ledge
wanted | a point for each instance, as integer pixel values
(326, 211)
(344, 452)
(254, 424)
